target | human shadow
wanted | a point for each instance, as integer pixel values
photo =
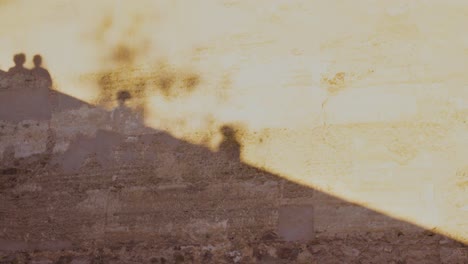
(123, 118)
(128, 188)
(230, 146)
(18, 74)
(40, 75)
(28, 95)
(20, 77)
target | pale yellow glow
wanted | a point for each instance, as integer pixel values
(363, 99)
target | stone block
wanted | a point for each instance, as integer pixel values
(296, 222)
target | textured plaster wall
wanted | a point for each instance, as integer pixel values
(364, 100)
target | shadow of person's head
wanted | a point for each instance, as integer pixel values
(228, 132)
(123, 96)
(37, 60)
(19, 59)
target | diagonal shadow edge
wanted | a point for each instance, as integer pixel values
(201, 168)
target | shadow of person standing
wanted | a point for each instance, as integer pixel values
(126, 122)
(229, 152)
(19, 99)
(112, 146)
(41, 76)
(41, 86)
(124, 119)
(230, 146)
(18, 75)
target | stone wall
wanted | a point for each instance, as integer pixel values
(77, 188)
(233, 131)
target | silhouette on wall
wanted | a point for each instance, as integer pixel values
(124, 119)
(230, 146)
(18, 76)
(19, 60)
(40, 75)
(118, 186)
(122, 139)
(27, 94)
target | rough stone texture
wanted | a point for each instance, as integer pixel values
(361, 99)
(148, 197)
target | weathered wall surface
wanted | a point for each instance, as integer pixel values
(83, 187)
(362, 103)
